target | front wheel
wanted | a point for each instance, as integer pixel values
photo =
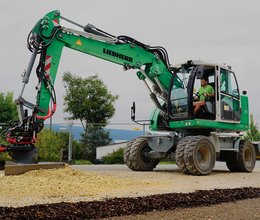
(136, 158)
(179, 154)
(199, 156)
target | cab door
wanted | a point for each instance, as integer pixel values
(229, 96)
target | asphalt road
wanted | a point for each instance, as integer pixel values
(220, 166)
(170, 180)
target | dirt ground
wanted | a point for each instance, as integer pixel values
(246, 209)
(145, 207)
(103, 191)
(83, 184)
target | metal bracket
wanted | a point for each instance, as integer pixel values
(162, 143)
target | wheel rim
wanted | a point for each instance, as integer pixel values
(203, 156)
(248, 156)
(144, 151)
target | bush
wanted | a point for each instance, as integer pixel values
(116, 157)
(49, 144)
(4, 156)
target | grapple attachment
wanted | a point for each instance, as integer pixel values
(21, 137)
(23, 153)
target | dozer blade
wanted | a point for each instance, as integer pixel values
(25, 154)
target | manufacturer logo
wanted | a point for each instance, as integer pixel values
(118, 55)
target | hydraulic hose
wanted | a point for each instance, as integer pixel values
(49, 114)
(2, 149)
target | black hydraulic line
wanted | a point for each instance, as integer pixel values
(164, 51)
(35, 42)
(128, 39)
(161, 51)
(105, 33)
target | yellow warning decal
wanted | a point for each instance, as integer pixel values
(79, 42)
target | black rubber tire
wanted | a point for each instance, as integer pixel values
(231, 162)
(199, 156)
(135, 156)
(179, 154)
(246, 157)
(127, 153)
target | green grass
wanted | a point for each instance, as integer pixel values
(167, 162)
(82, 162)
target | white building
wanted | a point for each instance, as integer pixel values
(104, 150)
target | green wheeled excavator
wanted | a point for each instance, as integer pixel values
(195, 141)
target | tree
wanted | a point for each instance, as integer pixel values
(253, 133)
(93, 137)
(8, 108)
(89, 100)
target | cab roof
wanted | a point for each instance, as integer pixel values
(204, 63)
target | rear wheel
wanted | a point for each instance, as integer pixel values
(246, 157)
(136, 156)
(199, 156)
(231, 162)
(244, 160)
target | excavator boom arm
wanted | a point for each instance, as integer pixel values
(121, 50)
(48, 38)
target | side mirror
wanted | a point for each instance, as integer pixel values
(200, 72)
(133, 112)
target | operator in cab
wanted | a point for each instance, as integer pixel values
(205, 92)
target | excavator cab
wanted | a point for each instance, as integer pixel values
(208, 110)
(225, 105)
(184, 93)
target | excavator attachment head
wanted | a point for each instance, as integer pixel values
(21, 137)
(25, 154)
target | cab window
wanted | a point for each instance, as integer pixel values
(230, 99)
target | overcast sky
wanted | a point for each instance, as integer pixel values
(217, 31)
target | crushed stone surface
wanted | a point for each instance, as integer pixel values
(68, 185)
(137, 206)
(80, 183)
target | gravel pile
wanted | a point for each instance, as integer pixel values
(128, 206)
(67, 185)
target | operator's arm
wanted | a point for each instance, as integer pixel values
(210, 92)
(205, 92)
